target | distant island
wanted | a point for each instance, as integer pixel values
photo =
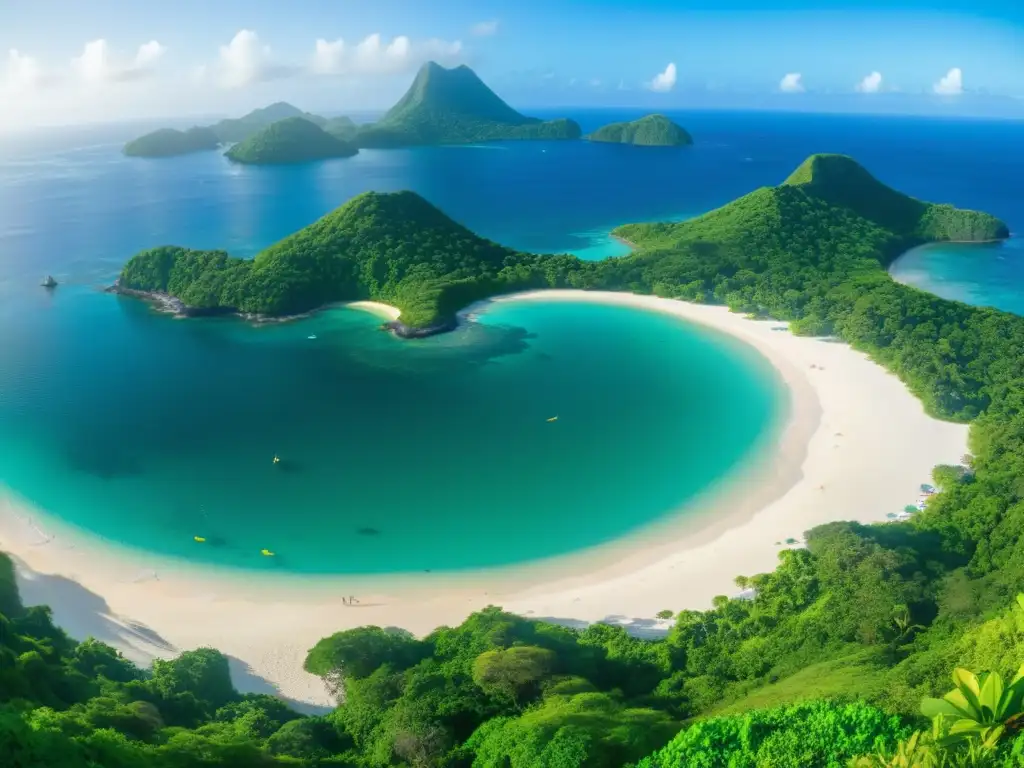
(442, 106)
(648, 131)
(238, 129)
(454, 106)
(168, 142)
(830, 217)
(292, 140)
(344, 128)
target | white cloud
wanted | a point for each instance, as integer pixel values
(952, 84)
(664, 81)
(22, 73)
(245, 61)
(375, 57)
(871, 83)
(791, 83)
(149, 53)
(484, 28)
(97, 65)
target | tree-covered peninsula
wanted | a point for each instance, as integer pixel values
(839, 653)
(292, 140)
(168, 142)
(454, 106)
(399, 249)
(648, 131)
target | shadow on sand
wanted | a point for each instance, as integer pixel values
(84, 614)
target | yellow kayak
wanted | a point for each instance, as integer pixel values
(266, 553)
(553, 418)
(200, 539)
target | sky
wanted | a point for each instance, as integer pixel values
(68, 61)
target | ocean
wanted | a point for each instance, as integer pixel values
(409, 456)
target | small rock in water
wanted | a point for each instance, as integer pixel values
(368, 532)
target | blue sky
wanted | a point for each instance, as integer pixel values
(137, 60)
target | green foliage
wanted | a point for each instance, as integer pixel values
(979, 707)
(167, 142)
(10, 600)
(292, 140)
(513, 672)
(234, 130)
(453, 106)
(818, 734)
(648, 131)
(588, 729)
(395, 248)
(358, 653)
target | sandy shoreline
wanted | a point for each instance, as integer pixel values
(856, 446)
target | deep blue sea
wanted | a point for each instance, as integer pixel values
(408, 456)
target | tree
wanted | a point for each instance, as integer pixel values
(513, 672)
(357, 653)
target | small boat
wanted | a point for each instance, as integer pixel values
(277, 460)
(553, 418)
(49, 282)
(200, 539)
(266, 553)
(312, 337)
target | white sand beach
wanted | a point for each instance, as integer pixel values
(376, 308)
(856, 446)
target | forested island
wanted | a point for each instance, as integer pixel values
(168, 142)
(454, 106)
(292, 140)
(648, 131)
(442, 106)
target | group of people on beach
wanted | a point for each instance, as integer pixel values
(349, 601)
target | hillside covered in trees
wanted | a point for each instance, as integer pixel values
(648, 131)
(454, 106)
(829, 218)
(167, 142)
(292, 140)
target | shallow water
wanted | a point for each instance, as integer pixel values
(395, 456)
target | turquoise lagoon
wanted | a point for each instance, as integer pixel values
(395, 456)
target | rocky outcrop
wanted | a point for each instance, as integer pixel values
(403, 331)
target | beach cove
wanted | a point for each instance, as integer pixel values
(856, 446)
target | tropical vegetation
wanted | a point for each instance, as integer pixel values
(167, 142)
(454, 106)
(648, 131)
(292, 140)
